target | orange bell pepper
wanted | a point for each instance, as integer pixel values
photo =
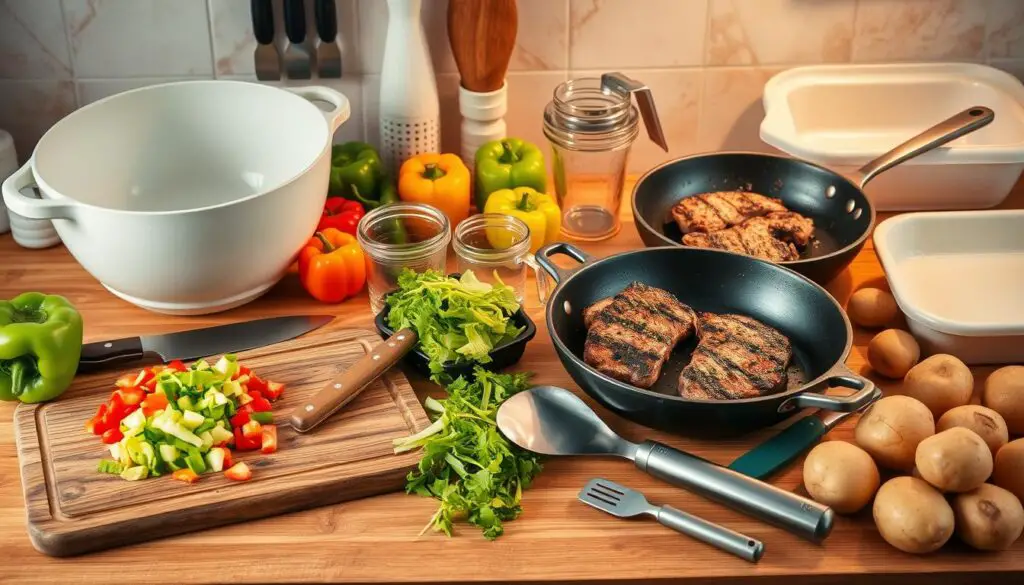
(441, 180)
(332, 266)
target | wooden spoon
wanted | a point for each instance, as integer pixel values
(482, 34)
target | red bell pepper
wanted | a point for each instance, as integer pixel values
(255, 384)
(111, 436)
(239, 472)
(186, 475)
(153, 403)
(274, 390)
(268, 442)
(341, 214)
(177, 366)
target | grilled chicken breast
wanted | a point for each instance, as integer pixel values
(711, 212)
(736, 357)
(591, 312)
(631, 337)
(778, 236)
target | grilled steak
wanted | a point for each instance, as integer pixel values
(711, 212)
(736, 357)
(771, 237)
(591, 312)
(632, 337)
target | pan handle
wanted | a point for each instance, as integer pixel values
(347, 385)
(559, 274)
(840, 375)
(948, 130)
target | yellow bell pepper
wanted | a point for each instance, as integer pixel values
(441, 180)
(537, 210)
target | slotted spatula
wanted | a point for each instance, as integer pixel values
(618, 500)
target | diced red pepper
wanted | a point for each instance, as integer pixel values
(126, 381)
(111, 436)
(131, 396)
(153, 403)
(150, 386)
(239, 472)
(186, 475)
(241, 417)
(177, 366)
(242, 443)
(252, 431)
(260, 404)
(255, 384)
(244, 371)
(268, 443)
(227, 456)
(274, 390)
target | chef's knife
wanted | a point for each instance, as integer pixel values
(266, 58)
(197, 343)
(775, 453)
(296, 54)
(328, 55)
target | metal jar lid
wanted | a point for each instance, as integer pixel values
(598, 114)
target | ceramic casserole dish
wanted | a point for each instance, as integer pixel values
(189, 197)
(958, 276)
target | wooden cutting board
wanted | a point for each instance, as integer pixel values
(73, 509)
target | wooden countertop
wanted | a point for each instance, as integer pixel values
(556, 540)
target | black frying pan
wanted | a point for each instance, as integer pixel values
(843, 216)
(707, 280)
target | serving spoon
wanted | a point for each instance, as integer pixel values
(554, 421)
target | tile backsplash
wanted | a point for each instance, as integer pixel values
(705, 60)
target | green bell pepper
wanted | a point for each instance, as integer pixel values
(357, 174)
(40, 345)
(506, 164)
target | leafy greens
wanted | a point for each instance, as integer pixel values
(455, 319)
(467, 464)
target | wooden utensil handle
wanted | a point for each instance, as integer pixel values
(342, 389)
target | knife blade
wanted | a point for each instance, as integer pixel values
(776, 452)
(196, 343)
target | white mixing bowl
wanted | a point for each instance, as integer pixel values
(186, 198)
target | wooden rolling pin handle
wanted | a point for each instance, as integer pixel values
(342, 389)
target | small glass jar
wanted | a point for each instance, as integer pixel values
(398, 236)
(592, 123)
(497, 246)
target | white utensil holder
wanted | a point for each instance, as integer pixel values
(483, 119)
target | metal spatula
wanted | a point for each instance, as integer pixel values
(619, 500)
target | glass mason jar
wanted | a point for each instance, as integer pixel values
(497, 246)
(592, 123)
(398, 236)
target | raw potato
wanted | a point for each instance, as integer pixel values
(941, 382)
(840, 475)
(912, 516)
(893, 352)
(872, 307)
(986, 422)
(1009, 468)
(891, 429)
(988, 518)
(1004, 393)
(955, 460)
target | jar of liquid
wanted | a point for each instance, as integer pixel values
(496, 247)
(591, 123)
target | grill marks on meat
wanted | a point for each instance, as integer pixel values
(631, 337)
(590, 313)
(711, 212)
(736, 357)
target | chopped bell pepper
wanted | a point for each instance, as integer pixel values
(538, 211)
(441, 180)
(505, 164)
(341, 214)
(40, 345)
(332, 266)
(186, 475)
(238, 472)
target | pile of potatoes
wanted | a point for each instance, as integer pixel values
(955, 468)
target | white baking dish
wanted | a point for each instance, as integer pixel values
(843, 116)
(958, 276)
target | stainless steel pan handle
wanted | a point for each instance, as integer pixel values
(842, 376)
(559, 274)
(949, 130)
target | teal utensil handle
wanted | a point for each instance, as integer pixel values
(775, 453)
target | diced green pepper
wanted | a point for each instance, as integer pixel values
(195, 462)
(109, 466)
(264, 418)
(135, 473)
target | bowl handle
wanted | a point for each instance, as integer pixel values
(559, 274)
(840, 375)
(340, 107)
(31, 207)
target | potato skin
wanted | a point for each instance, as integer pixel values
(988, 518)
(955, 460)
(840, 475)
(912, 515)
(893, 352)
(1009, 468)
(891, 430)
(984, 421)
(872, 307)
(1004, 393)
(941, 382)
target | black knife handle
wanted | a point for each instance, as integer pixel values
(326, 20)
(263, 21)
(295, 21)
(102, 354)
